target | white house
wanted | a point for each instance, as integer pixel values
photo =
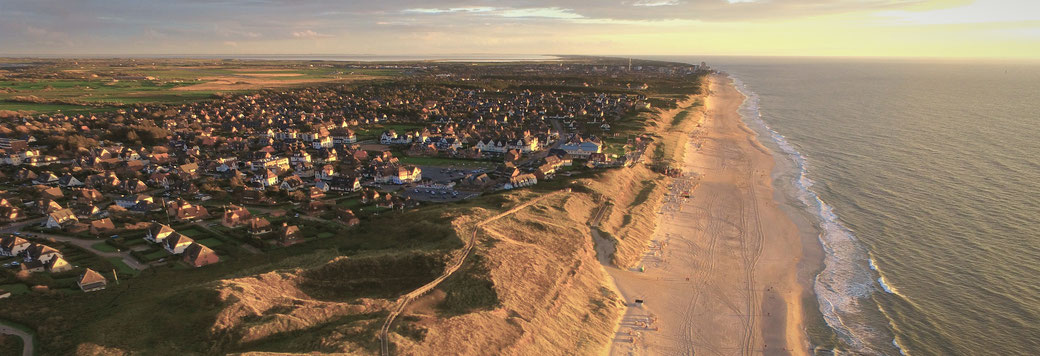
(158, 233)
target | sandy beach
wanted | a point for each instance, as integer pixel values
(721, 276)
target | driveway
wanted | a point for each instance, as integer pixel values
(87, 245)
(27, 339)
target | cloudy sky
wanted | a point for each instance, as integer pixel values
(928, 28)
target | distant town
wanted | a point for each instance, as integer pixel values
(100, 195)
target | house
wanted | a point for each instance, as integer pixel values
(323, 142)
(315, 193)
(369, 196)
(33, 266)
(326, 172)
(60, 219)
(227, 164)
(580, 147)
(130, 201)
(392, 138)
(68, 181)
(521, 180)
(11, 245)
(91, 281)
(99, 226)
(52, 193)
(347, 217)
(158, 233)
(134, 186)
(58, 265)
(398, 175)
(199, 255)
(512, 156)
(39, 252)
(344, 184)
(267, 179)
(189, 169)
(176, 243)
(259, 226)
(343, 137)
(46, 178)
(89, 195)
(234, 215)
(292, 183)
(48, 206)
(300, 157)
(10, 213)
(289, 235)
(183, 210)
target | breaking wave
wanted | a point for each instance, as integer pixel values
(849, 277)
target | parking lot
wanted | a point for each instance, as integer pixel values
(437, 195)
(446, 174)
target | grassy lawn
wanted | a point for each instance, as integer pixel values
(16, 288)
(446, 162)
(325, 234)
(103, 247)
(122, 267)
(350, 203)
(191, 232)
(156, 255)
(211, 242)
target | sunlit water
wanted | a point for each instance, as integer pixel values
(924, 179)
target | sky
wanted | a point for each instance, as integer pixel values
(856, 28)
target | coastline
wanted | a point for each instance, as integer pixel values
(730, 267)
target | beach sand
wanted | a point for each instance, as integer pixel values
(723, 274)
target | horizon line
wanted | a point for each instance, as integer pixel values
(437, 56)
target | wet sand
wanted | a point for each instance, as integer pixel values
(722, 274)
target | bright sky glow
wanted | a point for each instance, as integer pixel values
(884, 28)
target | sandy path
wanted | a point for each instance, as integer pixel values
(721, 275)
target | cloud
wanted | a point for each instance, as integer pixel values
(656, 3)
(310, 34)
(507, 12)
(542, 12)
(476, 9)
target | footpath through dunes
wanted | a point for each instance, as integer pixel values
(720, 275)
(552, 295)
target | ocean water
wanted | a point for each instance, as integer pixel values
(923, 178)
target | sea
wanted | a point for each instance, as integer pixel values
(922, 178)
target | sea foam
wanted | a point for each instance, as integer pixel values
(846, 283)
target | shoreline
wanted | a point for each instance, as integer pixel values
(728, 269)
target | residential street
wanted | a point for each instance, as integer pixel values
(27, 339)
(84, 243)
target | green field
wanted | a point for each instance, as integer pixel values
(16, 288)
(96, 87)
(446, 162)
(191, 232)
(103, 247)
(211, 242)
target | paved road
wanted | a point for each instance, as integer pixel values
(87, 244)
(11, 228)
(27, 339)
